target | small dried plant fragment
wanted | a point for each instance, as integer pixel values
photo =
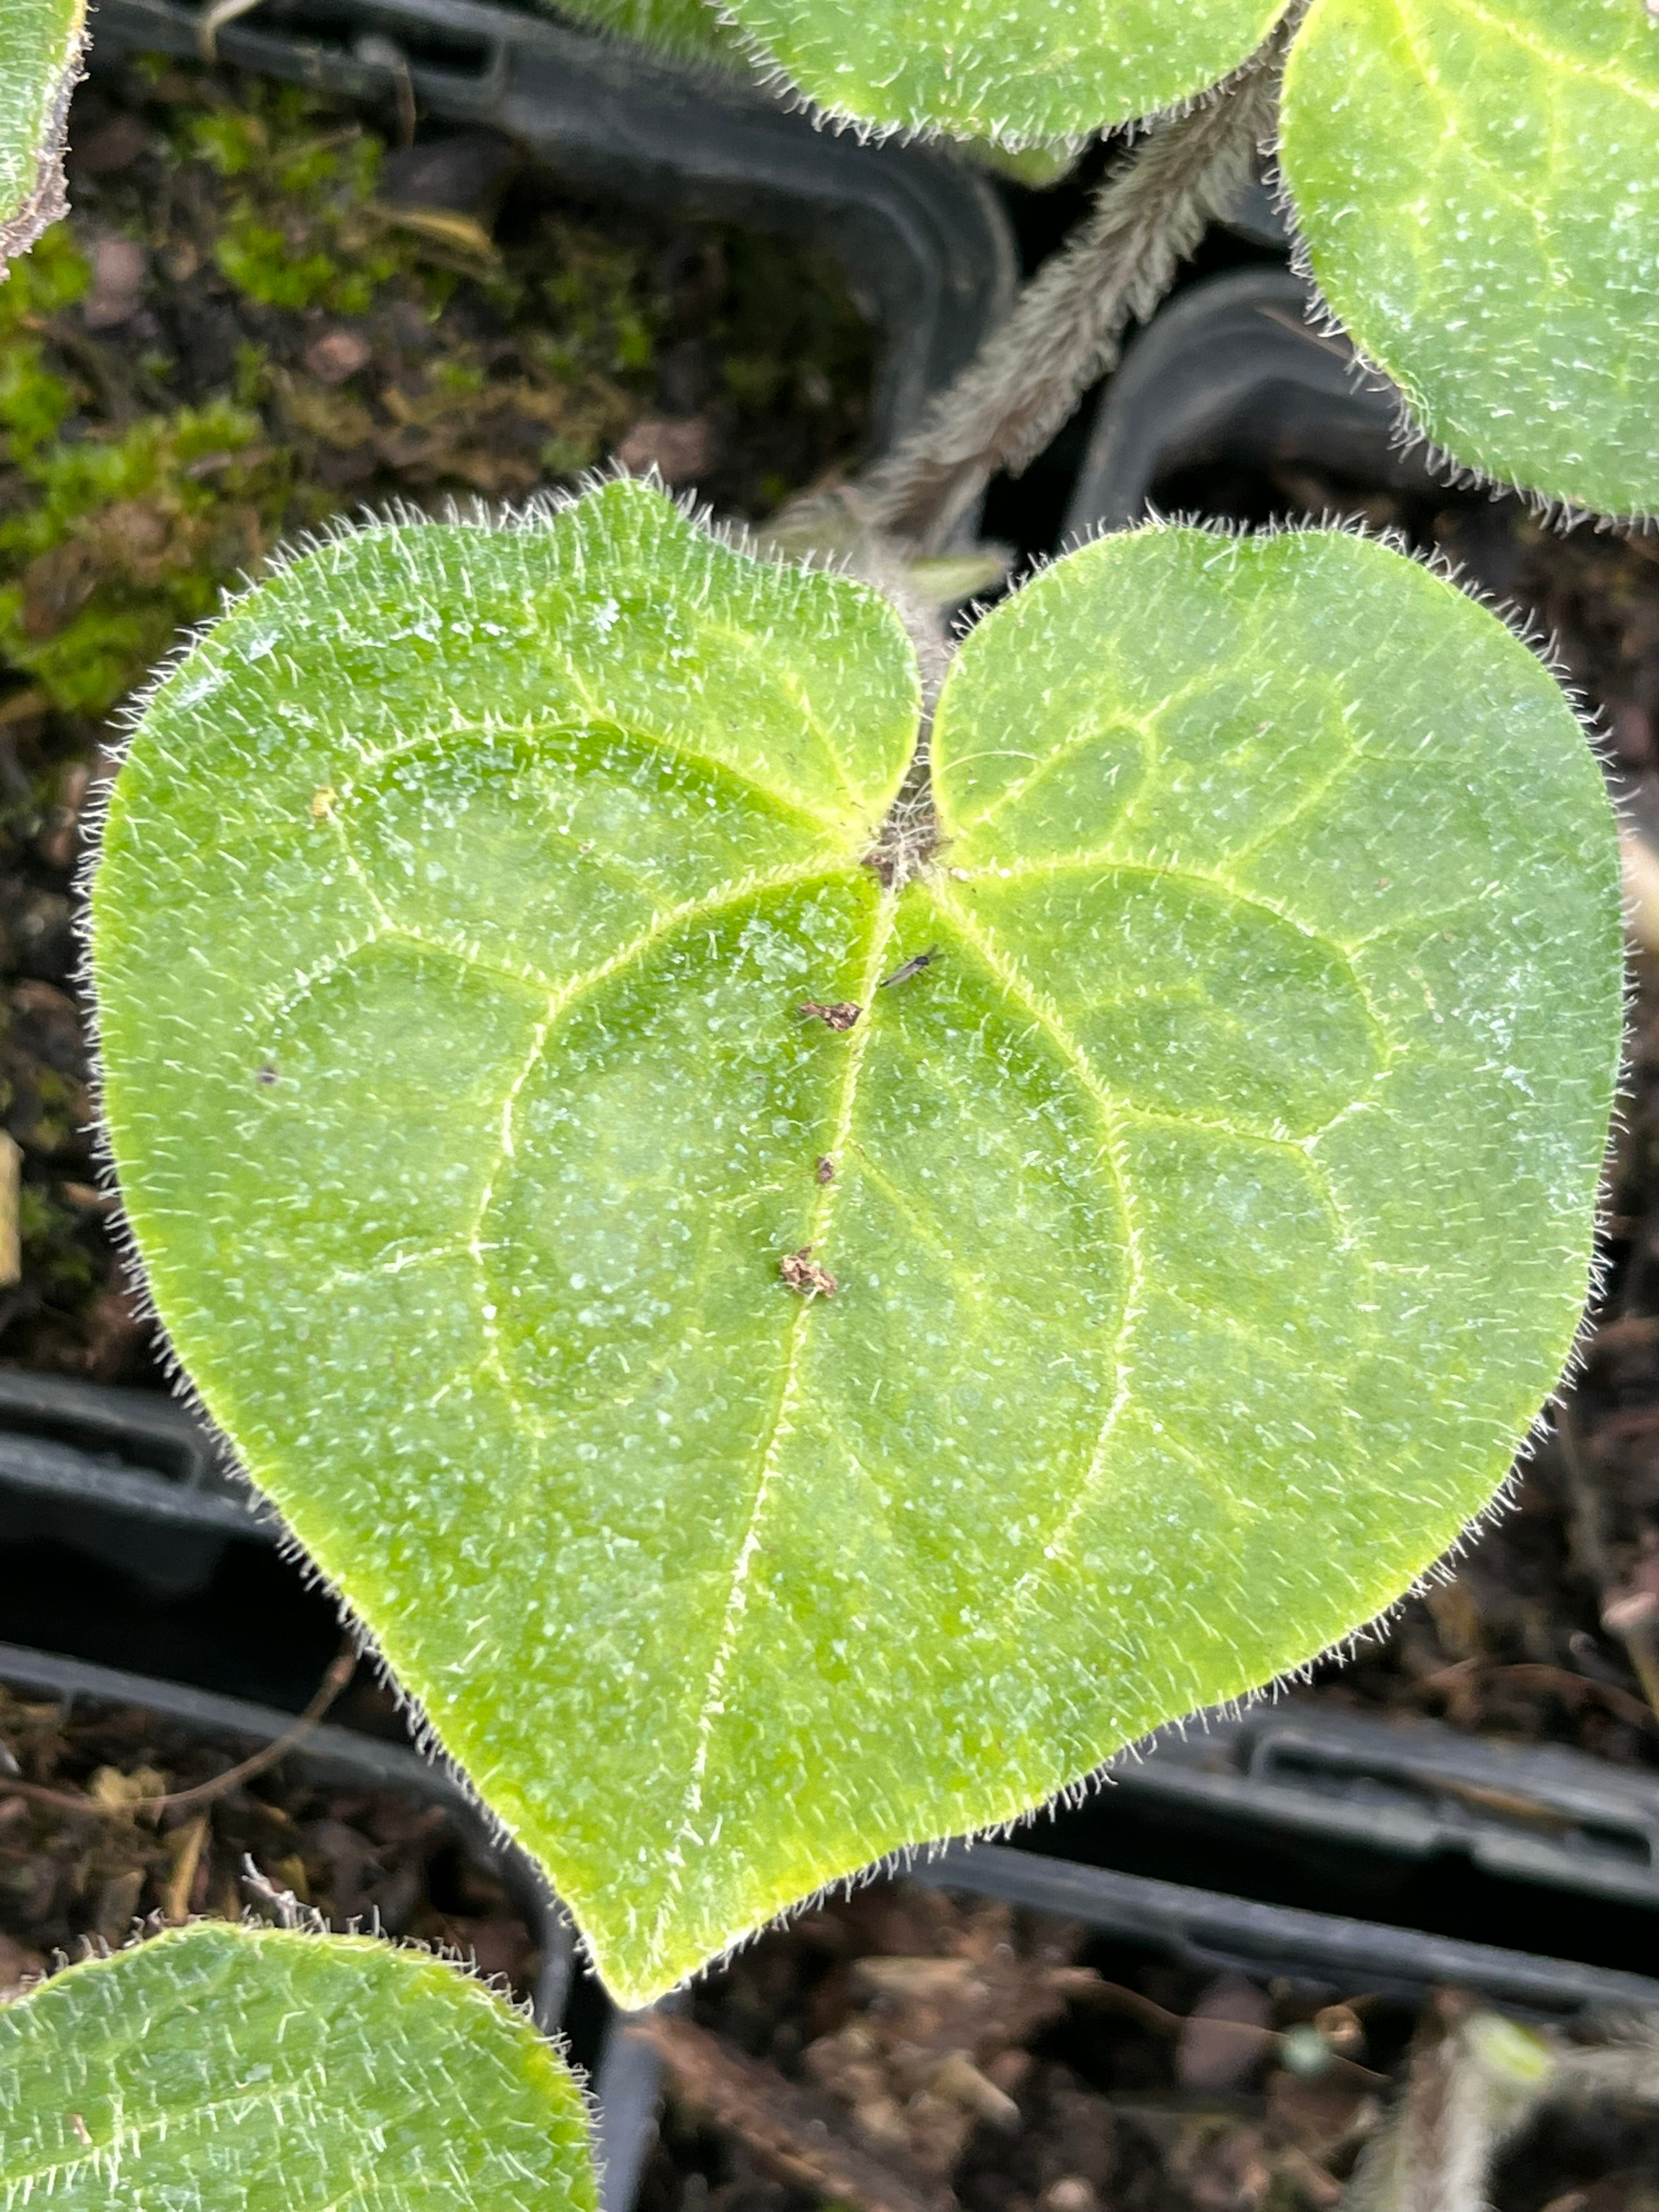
(1213, 1160)
(41, 43)
(219, 2065)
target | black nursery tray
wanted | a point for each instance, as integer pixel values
(926, 249)
(1233, 367)
(1314, 1804)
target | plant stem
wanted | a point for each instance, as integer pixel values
(1473, 2078)
(1068, 325)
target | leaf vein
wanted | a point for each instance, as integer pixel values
(731, 1623)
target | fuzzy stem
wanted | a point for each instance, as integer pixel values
(1068, 325)
(1473, 2076)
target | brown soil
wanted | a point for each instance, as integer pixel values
(1000, 2062)
(67, 1877)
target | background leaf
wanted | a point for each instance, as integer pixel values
(1478, 183)
(688, 29)
(1208, 1217)
(1013, 71)
(691, 30)
(219, 2066)
(41, 43)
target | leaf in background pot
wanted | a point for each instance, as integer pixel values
(40, 46)
(1016, 72)
(219, 2065)
(1207, 1217)
(690, 30)
(1478, 185)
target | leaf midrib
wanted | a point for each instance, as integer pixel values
(883, 922)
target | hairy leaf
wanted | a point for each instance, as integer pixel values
(221, 2068)
(690, 30)
(1208, 1214)
(40, 44)
(1478, 183)
(1017, 72)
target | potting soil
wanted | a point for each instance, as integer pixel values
(906, 2050)
(357, 1855)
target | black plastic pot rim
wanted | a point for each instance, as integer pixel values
(921, 236)
(340, 1755)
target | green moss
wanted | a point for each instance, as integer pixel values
(126, 541)
(53, 276)
(299, 234)
(130, 498)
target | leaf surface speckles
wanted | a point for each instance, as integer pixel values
(40, 44)
(1018, 72)
(1478, 185)
(244, 2070)
(1207, 1216)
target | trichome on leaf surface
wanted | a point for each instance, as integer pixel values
(1208, 1216)
(305, 2080)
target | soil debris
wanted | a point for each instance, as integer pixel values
(802, 2138)
(1008, 2062)
(350, 1852)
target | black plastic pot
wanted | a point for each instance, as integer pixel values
(125, 1534)
(129, 1477)
(337, 1755)
(1231, 370)
(923, 240)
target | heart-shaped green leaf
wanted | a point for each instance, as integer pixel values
(1478, 183)
(40, 44)
(1016, 72)
(219, 2067)
(1208, 1214)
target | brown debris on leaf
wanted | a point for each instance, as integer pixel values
(825, 1170)
(838, 1014)
(802, 1272)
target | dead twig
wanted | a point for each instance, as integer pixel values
(175, 1901)
(340, 1672)
(1155, 2017)
(1537, 1675)
(804, 2139)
